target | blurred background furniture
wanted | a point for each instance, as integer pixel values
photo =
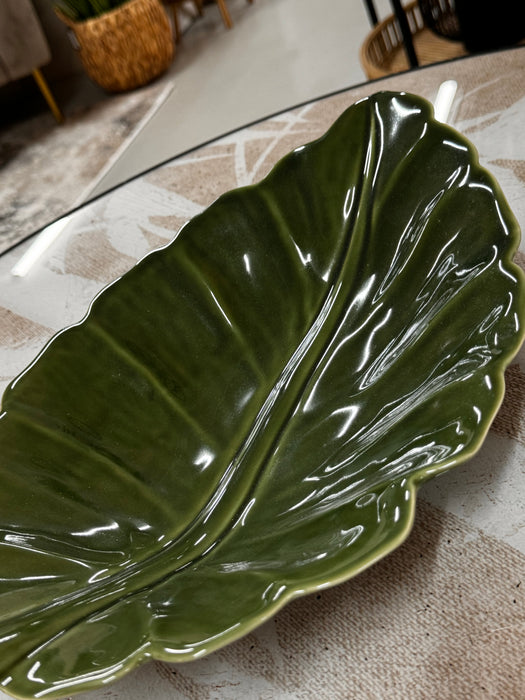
(177, 4)
(429, 31)
(24, 48)
(441, 17)
(486, 25)
(224, 11)
(404, 40)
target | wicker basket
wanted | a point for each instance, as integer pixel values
(383, 51)
(126, 47)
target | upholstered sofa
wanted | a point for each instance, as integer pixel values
(23, 46)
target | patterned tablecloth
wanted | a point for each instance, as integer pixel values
(444, 615)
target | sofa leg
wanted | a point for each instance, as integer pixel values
(48, 96)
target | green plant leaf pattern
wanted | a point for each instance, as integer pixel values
(245, 416)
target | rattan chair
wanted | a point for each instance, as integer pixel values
(383, 51)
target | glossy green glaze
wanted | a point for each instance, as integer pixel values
(245, 416)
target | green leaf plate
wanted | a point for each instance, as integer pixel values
(246, 415)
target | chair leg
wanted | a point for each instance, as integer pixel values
(198, 5)
(225, 14)
(48, 95)
(176, 23)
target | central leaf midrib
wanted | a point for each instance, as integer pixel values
(282, 399)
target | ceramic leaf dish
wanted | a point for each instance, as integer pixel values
(246, 415)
